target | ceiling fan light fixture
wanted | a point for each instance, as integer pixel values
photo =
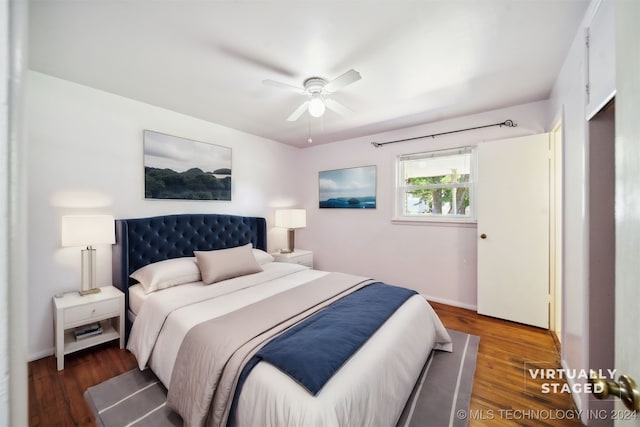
(316, 106)
(317, 91)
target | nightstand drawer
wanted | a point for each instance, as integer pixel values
(97, 310)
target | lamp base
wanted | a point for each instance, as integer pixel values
(291, 238)
(89, 291)
(87, 284)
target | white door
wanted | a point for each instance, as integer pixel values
(513, 229)
(627, 347)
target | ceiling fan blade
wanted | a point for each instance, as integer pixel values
(254, 58)
(296, 89)
(299, 111)
(343, 80)
(337, 107)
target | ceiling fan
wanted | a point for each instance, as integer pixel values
(317, 90)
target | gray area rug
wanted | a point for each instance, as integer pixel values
(442, 393)
(137, 398)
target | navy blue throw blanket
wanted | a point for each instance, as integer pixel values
(313, 350)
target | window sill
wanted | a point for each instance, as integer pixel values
(437, 222)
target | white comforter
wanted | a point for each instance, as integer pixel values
(370, 389)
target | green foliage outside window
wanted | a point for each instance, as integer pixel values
(436, 198)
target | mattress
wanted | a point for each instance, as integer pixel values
(137, 298)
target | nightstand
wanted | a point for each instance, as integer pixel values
(298, 256)
(72, 310)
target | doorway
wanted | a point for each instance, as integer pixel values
(602, 245)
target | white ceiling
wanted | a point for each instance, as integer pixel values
(420, 61)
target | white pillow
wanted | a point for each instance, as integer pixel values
(167, 273)
(262, 257)
(225, 264)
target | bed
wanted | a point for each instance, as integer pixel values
(166, 328)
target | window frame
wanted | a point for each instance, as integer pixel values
(401, 188)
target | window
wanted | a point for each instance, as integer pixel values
(437, 185)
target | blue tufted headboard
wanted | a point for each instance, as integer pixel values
(141, 241)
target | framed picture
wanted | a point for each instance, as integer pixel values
(180, 168)
(351, 188)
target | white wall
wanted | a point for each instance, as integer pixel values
(438, 260)
(568, 104)
(85, 155)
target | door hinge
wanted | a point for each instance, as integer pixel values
(586, 38)
(587, 79)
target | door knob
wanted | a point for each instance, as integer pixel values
(625, 388)
(483, 236)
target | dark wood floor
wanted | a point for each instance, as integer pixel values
(502, 393)
(56, 398)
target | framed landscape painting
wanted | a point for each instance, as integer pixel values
(180, 168)
(351, 188)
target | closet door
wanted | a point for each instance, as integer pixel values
(513, 229)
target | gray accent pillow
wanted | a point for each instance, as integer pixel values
(225, 264)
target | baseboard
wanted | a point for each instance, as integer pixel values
(41, 354)
(451, 302)
(575, 396)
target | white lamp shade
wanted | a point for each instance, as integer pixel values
(86, 230)
(291, 218)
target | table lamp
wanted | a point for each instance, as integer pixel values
(88, 230)
(291, 219)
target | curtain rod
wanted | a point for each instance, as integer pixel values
(507, 123)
